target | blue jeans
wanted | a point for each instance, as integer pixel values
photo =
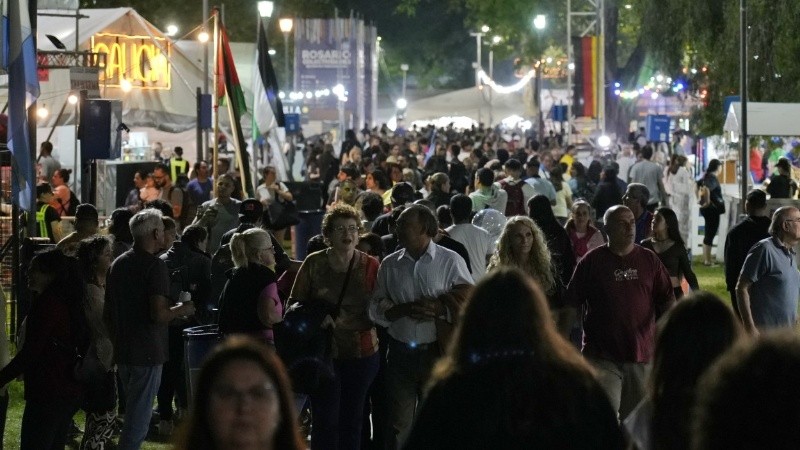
(141, 385)
(45, 424)
(337, 412)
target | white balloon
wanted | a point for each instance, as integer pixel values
(490, 220)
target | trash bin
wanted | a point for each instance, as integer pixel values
(197, 344)
(310, 225)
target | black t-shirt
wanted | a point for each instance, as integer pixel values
(134, 277)
(781, 186)
(238, 309)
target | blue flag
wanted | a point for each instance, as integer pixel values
(432, 146)
(23, 89)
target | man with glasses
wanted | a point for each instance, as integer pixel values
(769, 283)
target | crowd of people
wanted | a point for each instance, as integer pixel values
(559, 321)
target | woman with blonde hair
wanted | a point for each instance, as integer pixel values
(509, 380)
(249, 303)
(344, 279)
(522, 245)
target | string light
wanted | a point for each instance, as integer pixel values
(506, 89)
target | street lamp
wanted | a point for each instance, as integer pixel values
(286, 28)
(540, 21)
(265, 8)
(495, 40)
(478, 35)
(172, 30)
(404, 68)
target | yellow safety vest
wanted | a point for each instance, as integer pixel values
(178, 167)
(41, 221)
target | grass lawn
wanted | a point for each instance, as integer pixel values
(14, 422)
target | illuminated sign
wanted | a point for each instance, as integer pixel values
(141, 60)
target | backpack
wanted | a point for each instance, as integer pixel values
(188, 207)
(516, 199)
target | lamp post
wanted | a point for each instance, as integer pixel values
(478, 35)
(539, 22)
(286, 28)
(265, 9)
(495, 40)
(404, 68)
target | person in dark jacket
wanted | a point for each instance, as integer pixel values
(509, 380)
(608, 193)
(190, 271)
(250, 303)
(742, 237)
(440, 189)
(55, 327)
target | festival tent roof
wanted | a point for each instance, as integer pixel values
(765, 119)
(168, 110)
(470, 102)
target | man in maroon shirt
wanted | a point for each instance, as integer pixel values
(625, 289)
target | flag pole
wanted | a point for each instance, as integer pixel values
(215, 150)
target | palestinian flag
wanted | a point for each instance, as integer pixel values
(267, 106)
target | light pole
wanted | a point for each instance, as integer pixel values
(404, 68)
(478, 35)
(286, 28)
(539, 22)
(265, 9)
(495, 40)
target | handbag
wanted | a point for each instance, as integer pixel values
(283, 214)
(304, 346)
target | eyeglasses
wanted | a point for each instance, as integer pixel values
(795, 220)
(271, 248)
(256, 394)
(346, 229)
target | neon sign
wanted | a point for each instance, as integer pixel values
(138, 59)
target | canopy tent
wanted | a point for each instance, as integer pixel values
(470, 102)
(765, 119)
(166, 114)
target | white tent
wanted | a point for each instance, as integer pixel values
(765, 119)
(468, 102)
(162, 115)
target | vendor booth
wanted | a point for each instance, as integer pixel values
(155, 78)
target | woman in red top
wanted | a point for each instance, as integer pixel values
(582, 232)
(55, 328)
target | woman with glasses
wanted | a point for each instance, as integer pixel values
(249, 303)
(345, 276)
(242, 401)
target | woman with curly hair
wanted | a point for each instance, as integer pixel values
(344, 278)
(509, 380)
(522, 245)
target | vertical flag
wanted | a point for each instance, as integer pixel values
(23, 89)
(267, 107)
(228, 85)
(432, 145)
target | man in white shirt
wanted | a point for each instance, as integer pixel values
(477, 240)
(419, 294)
